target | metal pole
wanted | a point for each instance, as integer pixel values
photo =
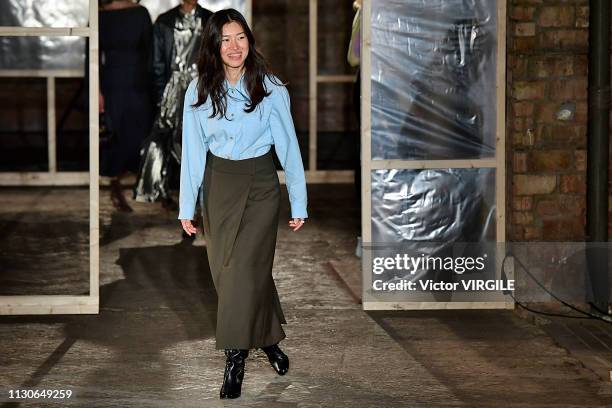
(598, 150)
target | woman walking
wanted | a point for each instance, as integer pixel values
(233, 113)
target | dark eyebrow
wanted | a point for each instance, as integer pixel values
(234, 34)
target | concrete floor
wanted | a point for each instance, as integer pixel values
(152, 345)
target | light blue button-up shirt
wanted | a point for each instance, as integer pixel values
(239, 136)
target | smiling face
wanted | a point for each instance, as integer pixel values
(234, 45)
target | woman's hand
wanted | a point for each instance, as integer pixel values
(188, 227)
(296, 223)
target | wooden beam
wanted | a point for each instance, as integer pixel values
(94, 155)
(312, 86)
(500, 147)
(248, 12)
(336, 78)
(366, 144)
(42, 73)
(436, 305)
(48, 304)
(325, 176)
(433, 164)
(45, 31)
(366, 147)
(51, 131)
(62, 178)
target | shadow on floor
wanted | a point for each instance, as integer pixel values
(486, 348)
(167, 297)
(57, 244)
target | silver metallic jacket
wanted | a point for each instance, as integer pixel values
(176, 43)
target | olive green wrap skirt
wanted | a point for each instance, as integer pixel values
(241, 210)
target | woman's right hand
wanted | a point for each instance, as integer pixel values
(188, 227)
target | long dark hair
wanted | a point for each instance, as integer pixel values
(210, 65)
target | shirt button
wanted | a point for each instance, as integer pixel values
(231, 137)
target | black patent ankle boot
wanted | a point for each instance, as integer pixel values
(278, 359)
(234, 373)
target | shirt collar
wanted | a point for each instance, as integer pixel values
(240, 86)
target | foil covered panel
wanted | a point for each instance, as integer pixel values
(433, 205)
(43, 52)
(440, 227)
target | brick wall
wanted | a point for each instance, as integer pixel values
(547, 119)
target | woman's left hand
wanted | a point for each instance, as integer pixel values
(296, 223)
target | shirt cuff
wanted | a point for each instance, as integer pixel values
(298, 210)
(184, 215)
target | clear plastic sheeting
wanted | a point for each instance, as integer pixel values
(43, 52)
(433, 70)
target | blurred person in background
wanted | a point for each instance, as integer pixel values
(176, 41)
(125, 96)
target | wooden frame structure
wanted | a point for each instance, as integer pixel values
(313, 175)
(51, 177)
(64, 304)
(367, 165)
(54, 178)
